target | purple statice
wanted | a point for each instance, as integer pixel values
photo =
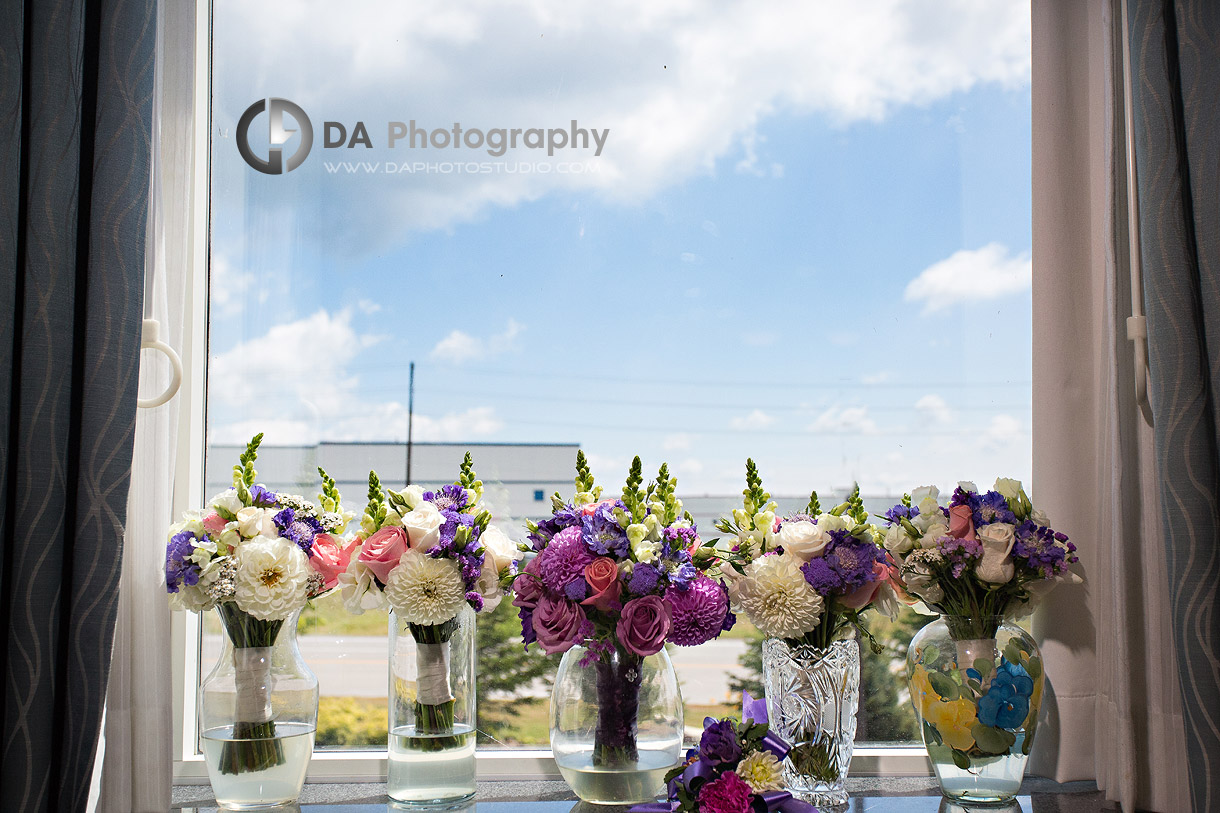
(577, 589)
(300, 529)
(565, 517)
(602, 532)
(676, 543)
(475, 600)
(564, 559)
(179, 569)
(900, 512)
(697, 612)
(1042, 549)
(262, 498)
(449, 498)
(643, 579)
(960, 553)
(453, 520)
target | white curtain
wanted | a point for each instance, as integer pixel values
(1114, 705)
(137, 767)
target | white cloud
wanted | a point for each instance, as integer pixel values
(845, 420)
(681, 86)
(1002, 431)
(757, 419)
(690, 467)
(970, 276)
(459, 347)
(688, 257)
(876, 378)
(678, 441)
(934, 408)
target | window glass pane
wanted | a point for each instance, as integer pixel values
(723, 230)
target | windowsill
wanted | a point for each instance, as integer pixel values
(1043, 794)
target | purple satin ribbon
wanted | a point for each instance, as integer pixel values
(752, 709)
(781, 801)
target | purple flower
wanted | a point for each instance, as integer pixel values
(577, 590)
(960, 553)
(993, 508)
(262, 498)
(681, 576)
(846, 564)
(179, 569)
(900, 512)
(676, 543)
(559, 624)
(698, 612)
(564, 559)
(565, 517)
(643, 579)
(822, 577)
(719, 742)
(644, 625)
(300, 530)
(602, 532)
(475, 600)
(450, 498)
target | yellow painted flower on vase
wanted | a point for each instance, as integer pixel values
(922, 693)
(953, 721)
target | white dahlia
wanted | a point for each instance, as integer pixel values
(777, 599)
(272, 578)
(761, 770)
(424, 590)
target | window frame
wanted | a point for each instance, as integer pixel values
(364, 765)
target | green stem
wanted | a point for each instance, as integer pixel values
(253, 745)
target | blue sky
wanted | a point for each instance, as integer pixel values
(813, 256)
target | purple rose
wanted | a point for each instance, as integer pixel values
(644, 625)
(558, 623)
(719, 742)
(527, 587)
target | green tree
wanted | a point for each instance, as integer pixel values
(506, 669)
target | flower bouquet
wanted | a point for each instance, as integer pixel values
(612, 581)
(257, 557)
(735, 769)
(976, 678)
(805, 580)
(435, 559)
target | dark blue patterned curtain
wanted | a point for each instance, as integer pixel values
(76, 82)
(1175, 52)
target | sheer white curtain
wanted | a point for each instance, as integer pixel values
(1114, 703)
(137, 768)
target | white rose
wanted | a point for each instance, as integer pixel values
(803, 539)
(967, 485)
(423, 526)
(996, 566)
(414, 495)
(934, 532)
(498, 548)
(488, 585)
(1009, 489)
(359, 589)
(898, 542)
(252, 522)
(1040, 518)
(227, 500)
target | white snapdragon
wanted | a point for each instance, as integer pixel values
(228, 500)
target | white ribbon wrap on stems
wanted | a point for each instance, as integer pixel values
(252, 678)
(433, 660)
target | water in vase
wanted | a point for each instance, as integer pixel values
(431, 769)
(640, 782)
(277, 783)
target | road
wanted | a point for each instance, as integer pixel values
(357, 666)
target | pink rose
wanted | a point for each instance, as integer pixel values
(604, 586)
(859, 598)
(589, 509)
(329, 559)
(961, 522)
(214, 523)
(383, 550)
(558, 623)
(527, 587)
(644, 625)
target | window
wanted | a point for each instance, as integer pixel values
(695, 235)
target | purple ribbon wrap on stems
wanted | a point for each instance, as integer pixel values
(699, 771)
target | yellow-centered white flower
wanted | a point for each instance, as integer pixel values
(761, 771)
(424, 590)
(272, 578)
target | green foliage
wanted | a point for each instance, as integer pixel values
(243, 473)
(375, 511)
(634, 497)
(351, 721)
(505, 668)
(330, 499)
(755, 497)
(814, 508)
(749, 677)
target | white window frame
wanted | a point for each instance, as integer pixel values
(325, 766)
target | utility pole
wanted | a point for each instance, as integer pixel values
(410, 414)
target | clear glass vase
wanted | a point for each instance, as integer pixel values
(432, 712)
(976, 685)
(258, 711)
(616, 724)
(812, 695)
